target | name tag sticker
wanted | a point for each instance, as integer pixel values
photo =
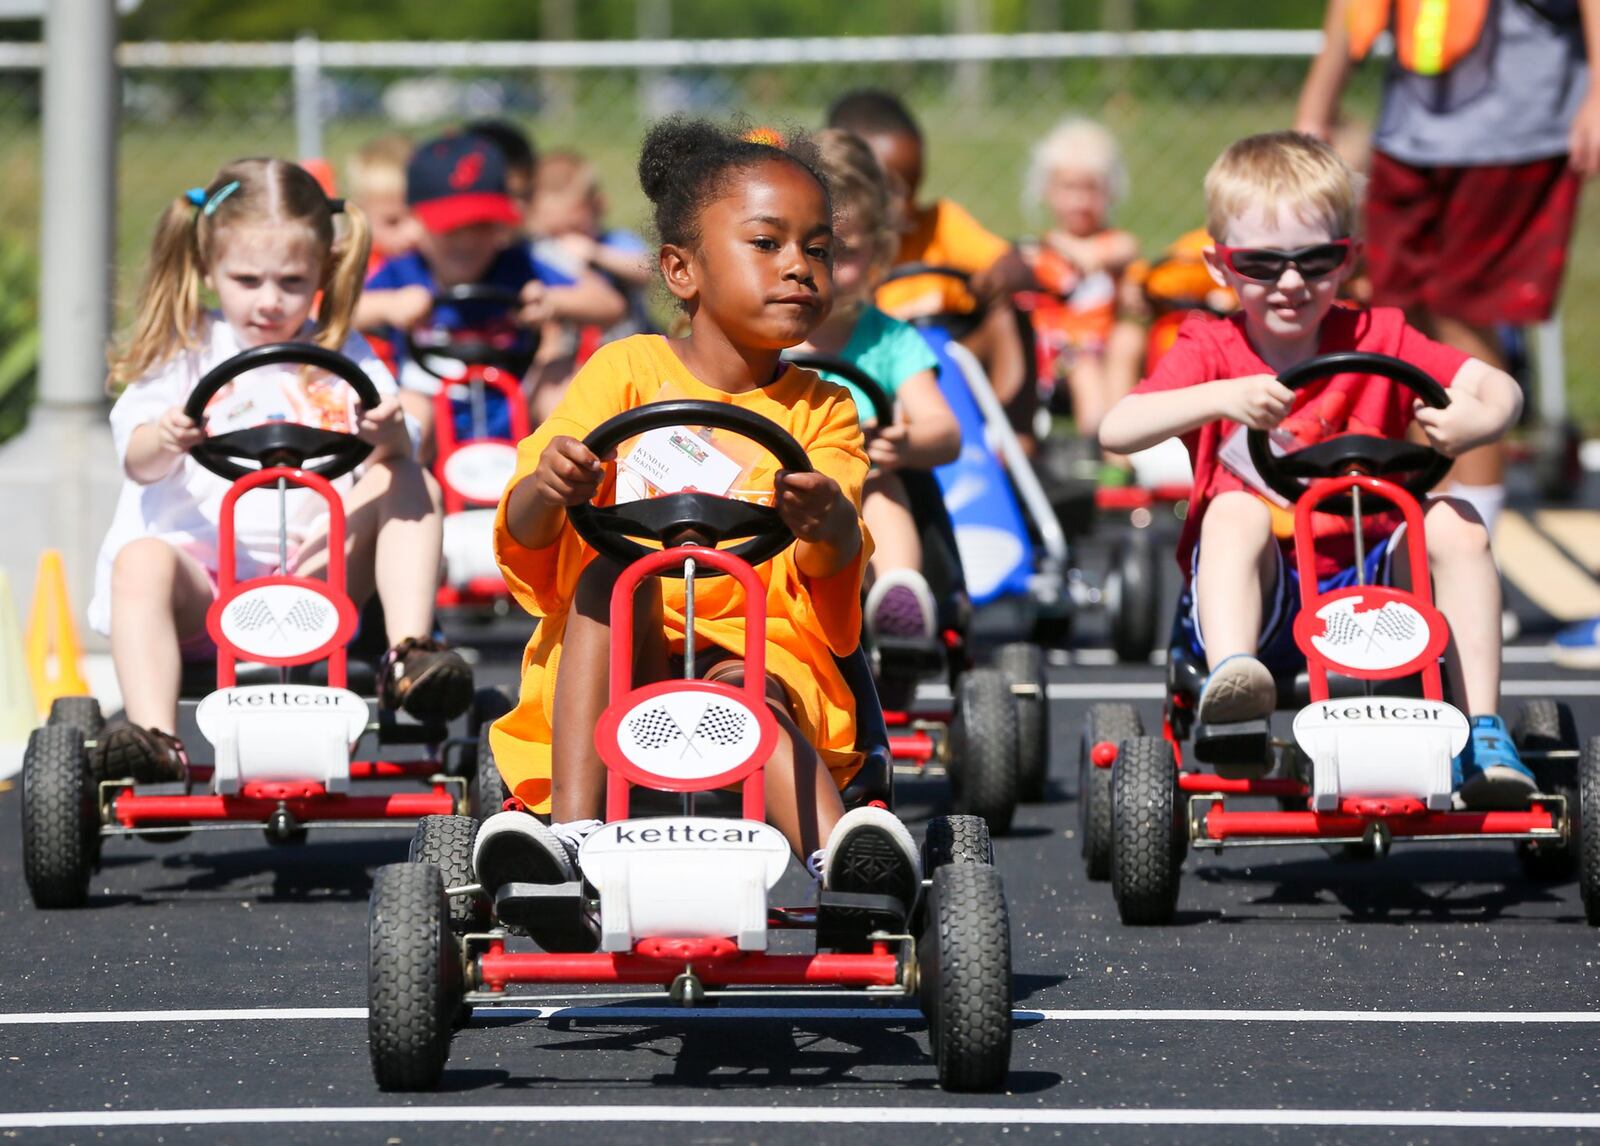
(674, 459)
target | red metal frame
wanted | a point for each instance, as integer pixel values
(444, 426)
(1222, 824)
(333, 588)
(309, 804)
(621, 773)
(717, 964)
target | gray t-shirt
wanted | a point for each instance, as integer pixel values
(1511, 100)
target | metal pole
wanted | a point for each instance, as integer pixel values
(1551, 364)
(308, 96)
(79, 200)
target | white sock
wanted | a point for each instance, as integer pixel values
(816, 862)
(1488, 500)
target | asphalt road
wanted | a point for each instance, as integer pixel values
(214, 991)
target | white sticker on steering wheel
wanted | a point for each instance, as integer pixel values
(674, 459)
(1235, 456)
(279, 394)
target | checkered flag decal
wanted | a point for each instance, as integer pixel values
(1395, 624)
(1341, 629)
(307, 615)
(653, 729)
(250, 615)
(720, 725)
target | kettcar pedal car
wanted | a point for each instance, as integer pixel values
(992, 738)
(283, 718)
(480, 413)
(1369, 764)
(680, 903)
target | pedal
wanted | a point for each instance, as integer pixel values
(846, 918)
(553, 915)
(1246, 742)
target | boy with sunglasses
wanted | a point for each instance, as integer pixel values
(1281, 210)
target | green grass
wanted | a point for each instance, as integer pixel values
(1173, 117)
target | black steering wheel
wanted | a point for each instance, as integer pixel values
(280, 443)
(470, 350)
(688, 517)
(958, 323)
(882, 403)
(1364, 453)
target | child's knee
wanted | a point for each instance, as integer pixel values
(145, 565)
(1455, 531)
(1239, 515)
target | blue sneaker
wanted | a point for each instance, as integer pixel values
(1489, 773)
(1577, 646)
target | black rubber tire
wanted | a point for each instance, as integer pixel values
(414, 982)
(446, 842)
(983, 736)
(488, 794)
(80, 712)
(1132, 593)
(1145, 828)
(1544, 725)
(1588, 841)
(964, 969)
(60, 818)
(1104, 722)
(955, 839)
(1023, 664)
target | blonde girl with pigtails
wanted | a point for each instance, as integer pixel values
(283, 263)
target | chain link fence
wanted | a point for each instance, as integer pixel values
(1174, 100)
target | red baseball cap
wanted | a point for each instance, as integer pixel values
(458, 180)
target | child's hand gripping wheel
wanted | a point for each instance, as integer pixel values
(1287, 473)
(280, 443)
(688, 517)
(425, 345)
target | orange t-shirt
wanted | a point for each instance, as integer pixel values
(809, 620)
(943, 234)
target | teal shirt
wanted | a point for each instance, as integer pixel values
(886, 348)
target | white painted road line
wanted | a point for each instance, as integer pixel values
(814, 1014)
(793, 1115)
(1154, 690)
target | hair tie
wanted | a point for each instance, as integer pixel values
(216, 199)
(196, 196)
(335, 205)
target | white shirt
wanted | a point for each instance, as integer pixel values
(184, 507)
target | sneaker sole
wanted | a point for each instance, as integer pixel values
(871, 862)
(1237, 693)
(1497, 787)
(127, 754)
(900, 614)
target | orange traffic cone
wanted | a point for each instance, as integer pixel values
(52, 642)
(17, 717)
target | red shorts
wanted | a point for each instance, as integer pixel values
(1485, 245)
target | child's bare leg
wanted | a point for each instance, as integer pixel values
(1087, 383)
(1237, 568)
(578, 777)
(159, 597)
(1466, 588)
(394, 536)
(887, 511)
(803, 802)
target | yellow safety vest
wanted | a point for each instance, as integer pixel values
(1431, 36)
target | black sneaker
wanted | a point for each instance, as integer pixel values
(427, 679)
(148, 755)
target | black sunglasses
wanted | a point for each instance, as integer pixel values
(1264, 265)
